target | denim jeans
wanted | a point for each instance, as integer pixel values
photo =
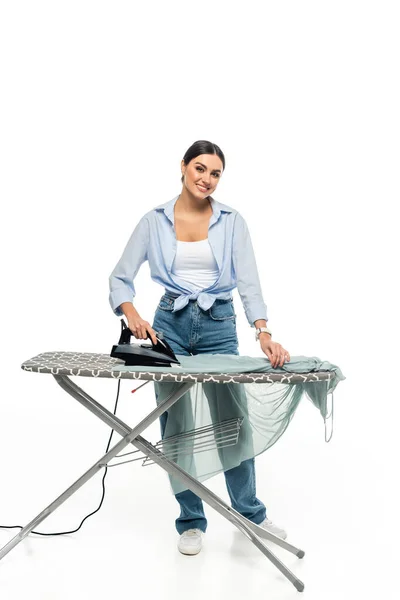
(191, 331)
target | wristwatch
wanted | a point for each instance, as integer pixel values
(261, 330)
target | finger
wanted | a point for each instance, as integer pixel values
(150, 332)
(152, 335)
(280, 354)
(276, 353)
(269, 354)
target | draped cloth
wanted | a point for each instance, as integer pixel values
(266, 409)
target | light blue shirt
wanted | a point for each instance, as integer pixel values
(154, 240)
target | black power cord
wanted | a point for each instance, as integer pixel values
(104, 489)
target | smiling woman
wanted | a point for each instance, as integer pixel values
(210, 162)
(199, 250)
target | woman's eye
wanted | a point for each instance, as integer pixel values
(201, 170)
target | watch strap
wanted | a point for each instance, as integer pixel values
(262, 330)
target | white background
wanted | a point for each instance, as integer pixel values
(99, 102)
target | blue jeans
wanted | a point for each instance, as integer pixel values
(192, 330)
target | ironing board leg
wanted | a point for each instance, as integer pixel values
(129, 434)
(251, 530)
(132, 436)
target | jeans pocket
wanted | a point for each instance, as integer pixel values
(222, 310)
(166, 303)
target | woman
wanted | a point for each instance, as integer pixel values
(199, 250)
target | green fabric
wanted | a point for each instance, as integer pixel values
(266, 408)
(233, 363)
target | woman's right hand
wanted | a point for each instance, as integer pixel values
(139, 328)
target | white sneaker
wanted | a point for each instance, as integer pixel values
(190, 541)
(272, 528)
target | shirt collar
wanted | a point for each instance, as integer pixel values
(217, 208)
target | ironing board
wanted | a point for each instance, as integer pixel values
(63, 365)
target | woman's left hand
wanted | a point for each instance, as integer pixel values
(275, 352)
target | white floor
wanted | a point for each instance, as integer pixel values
(336, 501)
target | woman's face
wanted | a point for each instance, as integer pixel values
(201, 175)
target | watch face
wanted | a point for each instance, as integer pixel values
(262, 330)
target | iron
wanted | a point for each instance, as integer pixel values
(149, 355)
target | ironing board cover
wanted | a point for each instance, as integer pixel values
(265, 398)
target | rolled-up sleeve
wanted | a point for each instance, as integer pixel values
(247, 279)
(121, 279)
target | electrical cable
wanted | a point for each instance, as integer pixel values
(102, 482)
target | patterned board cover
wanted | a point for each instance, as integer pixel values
(86, 364)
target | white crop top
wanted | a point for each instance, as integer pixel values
(194, 262)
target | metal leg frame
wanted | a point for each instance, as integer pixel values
(132, 436)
